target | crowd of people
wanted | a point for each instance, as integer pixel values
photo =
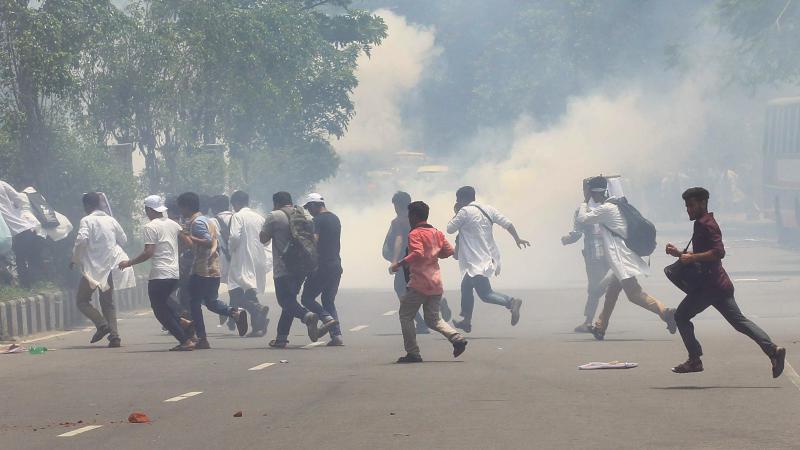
(195, 243)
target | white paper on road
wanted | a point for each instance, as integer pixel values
(608, 365)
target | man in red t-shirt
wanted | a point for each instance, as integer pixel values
(426, 246)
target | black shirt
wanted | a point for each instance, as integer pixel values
(329, 229)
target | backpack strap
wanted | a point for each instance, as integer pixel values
(484, 213)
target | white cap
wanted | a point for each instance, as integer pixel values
(313, 198)
(156, 203)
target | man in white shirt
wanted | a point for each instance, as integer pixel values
(594, 260)
(247, 275)
(97, 250)
(625, 264)
(26, 244)
(478, 255)
(160, 237)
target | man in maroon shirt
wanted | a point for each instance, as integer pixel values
(715, 290)
(426, 246)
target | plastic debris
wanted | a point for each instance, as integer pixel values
(284, 361)
(138, 417)
(36, 349)
(608, 365)
(14, 348)
(237, 414)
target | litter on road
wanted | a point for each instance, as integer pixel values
(608, 365)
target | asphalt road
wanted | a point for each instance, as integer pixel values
(515, 387)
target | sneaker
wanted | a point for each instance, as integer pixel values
(336, 341)
(311, 320)
(278, 344)
(100, 334)
(445, 310)
(241, 322)
(115, 343)
(257, 333)
(778, 360)
(597, 333)
(326, 327)
(669, 317)
(202, 344)
(516, 304)
(690, 366)
(409, 359)
(584, 328)
(463, 324)
(459, 347)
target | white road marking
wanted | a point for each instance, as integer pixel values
(314, 344)
(390, 313)
(50, 336)
(182, 397)
(739, 280)
(80, 430)
(359, 328)
(261, 366)
(792, 374)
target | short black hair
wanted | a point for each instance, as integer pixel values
(240, 198)
(282, 198)
(697, 193)
(465, 194)
(190, 201)
(599, 182)
(419, 209)
(219, 203)
(402, 199)
(91, 200)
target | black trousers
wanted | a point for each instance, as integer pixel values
(27, 247)
(248, 300)
(159, 292)
(694, 304)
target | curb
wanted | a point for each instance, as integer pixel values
(57, 310)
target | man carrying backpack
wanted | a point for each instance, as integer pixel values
(295, 257)
(622, 235)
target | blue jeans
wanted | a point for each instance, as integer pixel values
(205, 291)
(324, 282)
(286, 290)
(400, 288)
(483, 287)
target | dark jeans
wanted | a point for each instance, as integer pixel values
(400, 288)
(205, 291)
(483, 287)
(694, 304)
(159, 292)
(287, 288)
(324, 282)
(596, 271)
(27, 247)
(248, 300)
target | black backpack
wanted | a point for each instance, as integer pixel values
(641, 232)
(300, 254)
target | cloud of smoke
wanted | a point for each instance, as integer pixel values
(531, 173)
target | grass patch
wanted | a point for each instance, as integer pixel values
(15, 292)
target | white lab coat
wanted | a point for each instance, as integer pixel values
(623, 261)
(98, 250)
(478, 254)
(250, 260)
